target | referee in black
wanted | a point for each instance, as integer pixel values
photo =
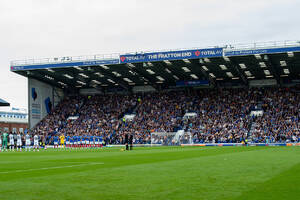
(126, 141)
(130, 141)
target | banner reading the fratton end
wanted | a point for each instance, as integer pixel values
(171, 55)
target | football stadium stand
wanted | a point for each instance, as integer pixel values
(222, 115)
(228, 94)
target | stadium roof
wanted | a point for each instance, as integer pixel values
(210, 66)
(4, 103)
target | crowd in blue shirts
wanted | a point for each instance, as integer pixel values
(222, 116)
(281, 119)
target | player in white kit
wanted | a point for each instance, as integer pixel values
(19, 142)
(36, 142)
(11, 142)
(27, 142)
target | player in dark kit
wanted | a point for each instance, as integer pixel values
(126, 141)
(130, 141)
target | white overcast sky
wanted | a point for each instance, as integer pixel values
(48, 28)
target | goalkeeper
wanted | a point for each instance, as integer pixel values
(4, 141)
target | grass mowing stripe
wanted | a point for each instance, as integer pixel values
(282, 186)
(48, 168)
(130, 158)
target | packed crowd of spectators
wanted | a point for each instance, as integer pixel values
(101, 116)
(281, 119)
(222, 115)
(156, 112)
(58, 116)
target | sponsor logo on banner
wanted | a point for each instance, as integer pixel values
(122, 58)
(171, 55)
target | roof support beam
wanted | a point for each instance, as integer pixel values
(141, 73)
(196, 63)
(112, 77)
(41, 77)
(177, 72)
(213, 82)
(95, 85)
(235, 66)
(273, 69)
(211, 79)
(173, 72)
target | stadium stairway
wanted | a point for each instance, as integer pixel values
(252, 128)
(129, 110)
(77, 113)
(259, 106)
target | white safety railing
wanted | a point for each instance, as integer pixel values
(65, 59)
(261, 45)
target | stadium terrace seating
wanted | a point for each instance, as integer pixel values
(223, 115)
(101, 115)
(57, 118)
(280, 121)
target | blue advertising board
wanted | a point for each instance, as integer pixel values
(65, 64)
(171, 55)
(260, 51)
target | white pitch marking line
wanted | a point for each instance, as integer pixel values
(46, 168)
(78, 162)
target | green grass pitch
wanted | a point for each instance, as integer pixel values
(152, 173)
